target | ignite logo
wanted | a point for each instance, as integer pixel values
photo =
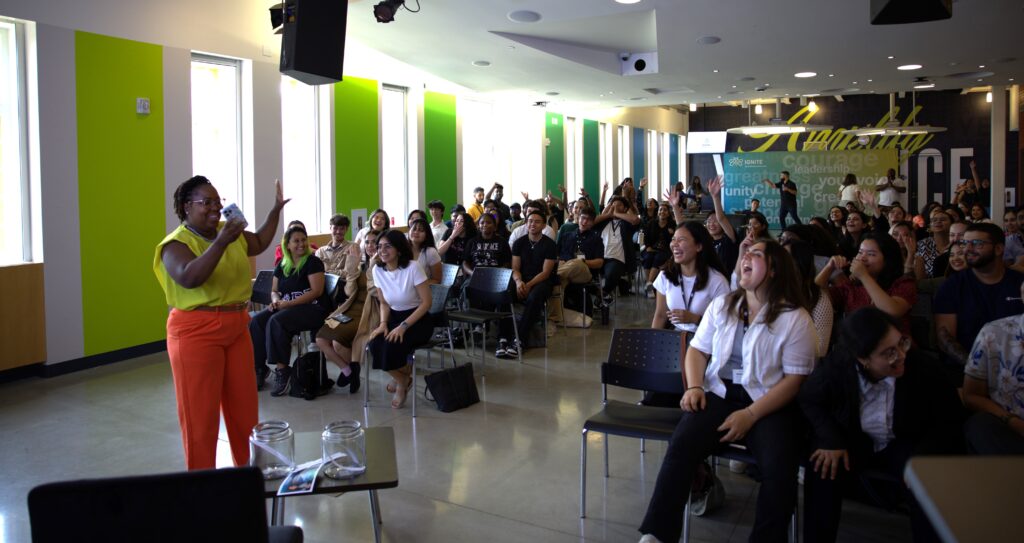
(736, 161)
(739, 162)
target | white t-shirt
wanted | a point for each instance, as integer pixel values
(611, 234)
(399, 287)
(888, 196)
(520, 231)
(683, 296)
(428, 257)
(849, 193)
(438, 231)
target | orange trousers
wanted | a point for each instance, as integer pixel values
(211, 360)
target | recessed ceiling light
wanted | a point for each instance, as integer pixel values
(854, 82)
(831, 75)
(481, 63)
(981, 65)
(734, 86)
(715, 70)
(719, 97)
(708, 40)
(610, 92)
(628, 1)
(746, 78)
(924, 86)
(804, 74)
(979, 79)
(908, 67)
(891, 57)
(523, 16)
(870, 80)
(812, 95)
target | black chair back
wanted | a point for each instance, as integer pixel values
(262, 286)
(207, 505)
(448, 274)
(334, 289)
(645, 359)
(491, 286)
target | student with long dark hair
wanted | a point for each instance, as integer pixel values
(819, 304)
(379, 221)
(657, 238)
(743, 369)
(871, 406)
(857, 226)
(424, 251)
(689, 281)
(404, 302)
(876, 278)
(453, 244)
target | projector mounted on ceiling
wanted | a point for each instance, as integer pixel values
(639, 63)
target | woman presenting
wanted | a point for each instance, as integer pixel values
(203, 267)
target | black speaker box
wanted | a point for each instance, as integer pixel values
(898, 12)
(313, 45)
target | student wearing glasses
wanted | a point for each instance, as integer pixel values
(984, 292)
(876, 278)
(404, 295)
(873, 405)
(203, 268)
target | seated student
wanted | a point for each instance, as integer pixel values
(723, 234)
(688, 283)
(530, 207)
(404, 297)
(491, 208)
(279, 254)
(496, 194)
(984, 292)
(453, 243)
(424, 251)
(929, 248)
(337, 337)
(657, 237)
(298, 302)
(572, 217)
(581, 251)
(873, 405)
(515, 214)
(379, 221)
(490, 250)
(437, 224)
(876, 278)
(476, 207)
(760, 352)
(837, 222)
(1014, 238)
(994, 390)
(335, 255)
(616, 224)
(904, 234)
(533, 271)
(856, 227)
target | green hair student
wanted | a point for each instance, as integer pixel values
(289, 266)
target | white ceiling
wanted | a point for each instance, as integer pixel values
(768, 41)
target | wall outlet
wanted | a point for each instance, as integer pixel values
(142, 106)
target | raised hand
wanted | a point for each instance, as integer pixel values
(715, 186)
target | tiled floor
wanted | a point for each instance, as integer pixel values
(506, 469)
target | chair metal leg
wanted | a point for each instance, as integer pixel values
(451, 348)
(643, 445)
(686, 520)
(375, 515)
(412, 386)
(515, 328)
(606, 436)
(366, 372)
(277, 511)
(794, 525)
(583, 475)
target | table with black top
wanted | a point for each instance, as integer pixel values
(381, 472)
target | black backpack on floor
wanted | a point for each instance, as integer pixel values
(306, 383)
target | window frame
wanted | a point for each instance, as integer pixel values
(20, 86)
(244, 199)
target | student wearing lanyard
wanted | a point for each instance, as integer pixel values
(750, 354)
(689, 281)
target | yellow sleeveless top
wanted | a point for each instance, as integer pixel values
(229, 283)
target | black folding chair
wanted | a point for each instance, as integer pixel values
(640, 359)
(489, 286)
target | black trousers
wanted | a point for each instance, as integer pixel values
(533, 307)
(823, 498)
(774, 441)
(272, 332)
(613, 270)
(787, 210)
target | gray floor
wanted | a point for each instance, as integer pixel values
(506, 469)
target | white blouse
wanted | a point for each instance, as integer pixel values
(683, 296)
(785, 347)
(399, 287)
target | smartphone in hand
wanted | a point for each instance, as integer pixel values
(232, 213)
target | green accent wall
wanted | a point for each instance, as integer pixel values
(439, 148)
(357, 148)
(120, 190)
(591, 157)
(554, 153)
(673, 157)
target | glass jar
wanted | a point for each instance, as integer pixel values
(272, 448)
(344, 449)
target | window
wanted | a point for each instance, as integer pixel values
(394, 154)
(681, 154)
(15, 220)
(666, 166)
(653, 179)
(217, 126)
(573, 155)
(500, 144)
(306, 153)
(624, 153)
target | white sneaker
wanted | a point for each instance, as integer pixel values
(648, 538)
(737, 466)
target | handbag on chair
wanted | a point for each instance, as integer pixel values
(452, 389)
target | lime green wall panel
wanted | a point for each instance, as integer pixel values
(120, 190)
(591, 157)
(554, 153)
(439, 148)
(357, 148)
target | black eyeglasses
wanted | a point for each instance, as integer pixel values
(976, 243)
(208, 202)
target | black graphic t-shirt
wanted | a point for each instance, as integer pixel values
(493, 253)
(297, 283)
